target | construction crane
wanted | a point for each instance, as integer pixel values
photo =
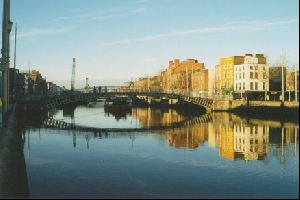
(73, 75)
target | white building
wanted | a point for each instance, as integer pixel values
(252, 75)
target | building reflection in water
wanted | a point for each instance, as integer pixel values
(119, 112)
(149, 117)
(234, 137)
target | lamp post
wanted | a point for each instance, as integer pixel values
(296, 82)
(6, 29)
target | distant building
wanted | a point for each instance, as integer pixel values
(142, 84)
(182, 75)
(155, 84)
(189, 77)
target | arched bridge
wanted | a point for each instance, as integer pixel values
(43, 102)
(199, 101)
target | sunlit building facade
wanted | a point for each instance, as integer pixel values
(251, 76)
(227, 72)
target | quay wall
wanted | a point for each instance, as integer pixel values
(274, 108)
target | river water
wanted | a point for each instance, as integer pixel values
(218, 155)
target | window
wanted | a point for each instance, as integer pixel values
(256, 67)
(256, 86)
(244, 87)
(244, 75)
(251, 86)
(240, 76)
(256, 75)
(251, 75)
(264, 86)
(240, 86)
(251, 67)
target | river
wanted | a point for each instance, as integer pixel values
(217, 155)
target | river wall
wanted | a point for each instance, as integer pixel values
(13, 175)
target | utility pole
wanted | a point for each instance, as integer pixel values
(192, 78)
(6, 29)
(148, 83)
(187, 83)
(296, 82)
(169, 80)
(282, 77)
(289, 93)
(15, 61)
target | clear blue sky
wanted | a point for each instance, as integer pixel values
(116, 40)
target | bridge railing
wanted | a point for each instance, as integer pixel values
(174, 92)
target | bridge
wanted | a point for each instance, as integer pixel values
(43, 102)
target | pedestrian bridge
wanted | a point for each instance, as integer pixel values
(44, 102)
(205, 102)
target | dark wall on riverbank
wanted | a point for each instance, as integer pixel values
(13, 175)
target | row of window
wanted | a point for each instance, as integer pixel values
(251, 68)
(252, 76)
(253, 129)
(253, 86)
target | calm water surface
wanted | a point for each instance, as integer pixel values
(216, 156)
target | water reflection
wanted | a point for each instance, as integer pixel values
(235, 137)
(151, 117)
(210, 149)
(118, 112)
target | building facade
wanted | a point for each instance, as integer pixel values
(252, 77)
(227, 72)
